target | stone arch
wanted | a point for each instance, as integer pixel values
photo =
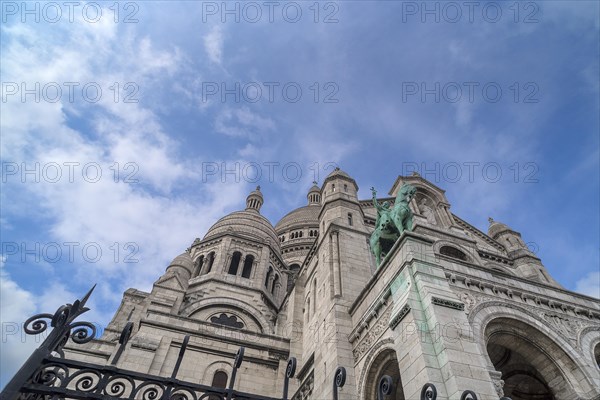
(248, 312)
(276, 284)
(234, 263)
(214, 367)
(268, 276)
(383, 361)
(516, 342)
(469, 253)
(588, 342)
(210, 261)
(427, 206)
(378, 347)
(248, 266)
(498, 268)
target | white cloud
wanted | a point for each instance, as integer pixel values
(17, 305)
(153, 214)
(589, 285)
(213, 44)
(243, 123)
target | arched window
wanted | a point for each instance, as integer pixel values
(345, 187)
(350, 219)
(199, 264)
(211, 260)
(275, 284)
(219, 379)
(248, 266)
(300, 233)
(235, 262)
(269, 273)
(453, 252)
(307, 310)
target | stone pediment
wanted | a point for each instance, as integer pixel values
(171, 281)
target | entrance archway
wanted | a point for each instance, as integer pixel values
(532, 365)
(386, 363)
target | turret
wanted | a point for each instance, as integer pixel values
(339, 184)
(254, 200)
(314, 195)
(526, 263)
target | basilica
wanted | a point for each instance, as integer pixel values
(441, 303)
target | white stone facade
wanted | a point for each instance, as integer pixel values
(449, 305)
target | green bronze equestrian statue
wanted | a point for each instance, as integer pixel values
(391, 222)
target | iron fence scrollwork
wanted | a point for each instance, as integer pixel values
(290, 371)
(63, 329)
(339, 380)
(385, 387)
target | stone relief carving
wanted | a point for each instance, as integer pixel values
(499, 386)
(565, 325)
(191, 299)
(372, 335)
(427, 211)
(304, 392)
(468, 300)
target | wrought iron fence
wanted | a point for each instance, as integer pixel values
(45, 376)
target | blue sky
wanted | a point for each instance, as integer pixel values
(500, 103)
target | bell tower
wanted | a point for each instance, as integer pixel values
(333, 278)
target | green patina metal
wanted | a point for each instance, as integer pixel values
(391, 221)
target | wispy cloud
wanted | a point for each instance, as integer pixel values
(213, 44)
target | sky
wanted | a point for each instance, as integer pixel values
(129, 128)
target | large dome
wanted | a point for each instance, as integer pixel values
(247, 223)
(300, 217)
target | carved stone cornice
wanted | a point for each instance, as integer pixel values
(400, 316)
(456, 305)
(501, 291)
(371, 314)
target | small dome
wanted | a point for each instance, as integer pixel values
(254, 200)
(338, 172)
(314, 194)
(183, 260)
(496, 228)
(299, 218)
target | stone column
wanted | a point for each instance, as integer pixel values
(335, 256)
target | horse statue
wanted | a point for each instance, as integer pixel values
(391, 222)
